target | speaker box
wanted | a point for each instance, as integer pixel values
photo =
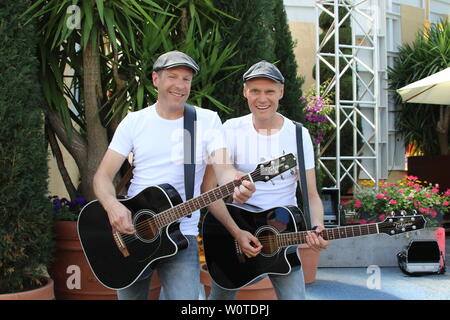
(421, 257)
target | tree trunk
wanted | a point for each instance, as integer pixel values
(76, 144)
(442, 128)
(97, 141)
(60, 162)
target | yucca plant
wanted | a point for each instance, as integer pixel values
(99, 54)
(424, 127)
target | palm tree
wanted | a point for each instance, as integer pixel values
(96, 59)
(425, 127)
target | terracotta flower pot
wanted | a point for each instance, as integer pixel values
(310, 263)
(44, 293)
(262, 290)
(72, 274)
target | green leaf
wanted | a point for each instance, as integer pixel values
(100, 8)
(109, 18)
(140, 97)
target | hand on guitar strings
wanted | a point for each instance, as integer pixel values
(120, 218)
(249, 244)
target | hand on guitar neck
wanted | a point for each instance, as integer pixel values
(315, 241)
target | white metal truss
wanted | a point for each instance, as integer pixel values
(366, 111)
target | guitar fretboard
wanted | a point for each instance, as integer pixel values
(183, 209)
(295, 238)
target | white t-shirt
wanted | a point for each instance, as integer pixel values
(158, 149)
(248, 148)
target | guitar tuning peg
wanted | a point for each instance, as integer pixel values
(293, 172)
(272, 182)
(282, 178)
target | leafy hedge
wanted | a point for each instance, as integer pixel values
(25, 212)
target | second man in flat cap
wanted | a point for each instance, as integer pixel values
(265, 134)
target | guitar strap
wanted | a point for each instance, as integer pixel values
(301, 164)
(190, 117)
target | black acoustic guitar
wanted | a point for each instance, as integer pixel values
(276, 229)
(117, 260)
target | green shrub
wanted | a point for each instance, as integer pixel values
(419, 123)
(25, 212)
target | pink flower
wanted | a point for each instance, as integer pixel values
(381, 217)
(434, 190)
(411, 178)
(433, 213)
(428, 195)
(445, 203)
(422, 210)
(344, 203)
(401, 191)
(362, 221)
(393, 201)
(358, 203)
(380, 196)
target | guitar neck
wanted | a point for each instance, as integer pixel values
(184, 209)
(295, 238)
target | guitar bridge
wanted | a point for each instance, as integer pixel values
(120, 244)
(239, 253)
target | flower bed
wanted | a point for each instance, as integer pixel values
(409, 195)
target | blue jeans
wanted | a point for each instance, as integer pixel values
(179, 276)
(287, 287)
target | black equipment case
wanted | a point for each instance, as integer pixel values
(421, 257)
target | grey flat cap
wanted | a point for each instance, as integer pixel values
(174, 59)
(263, 69)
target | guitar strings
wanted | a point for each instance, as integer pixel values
(142, 227)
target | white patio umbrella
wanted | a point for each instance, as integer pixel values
(434, 89)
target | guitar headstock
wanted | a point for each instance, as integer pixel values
(272, 168)
(401, 223)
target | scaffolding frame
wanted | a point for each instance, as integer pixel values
(366, 112)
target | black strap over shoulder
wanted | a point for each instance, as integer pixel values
(301, 164)
(190, 118)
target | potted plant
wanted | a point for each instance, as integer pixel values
(70, 270)
(373, 203)
(25, 214)
(424, 127)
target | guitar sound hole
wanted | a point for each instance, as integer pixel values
(145, 226)
(268, 240)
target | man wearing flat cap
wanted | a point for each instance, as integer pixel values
(265, 134)
(153, 136)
